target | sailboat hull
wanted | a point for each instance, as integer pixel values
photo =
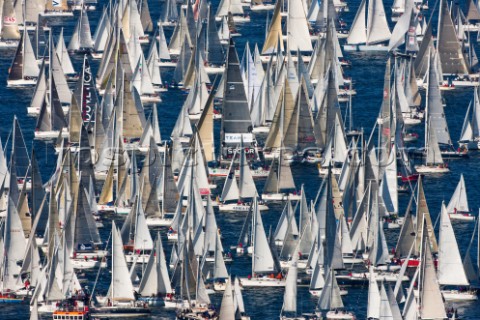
(34, 111)
(456, 295)
(215, 69)
(51, 14)
(280, 197)
(7, 44)
(362, 276)
(82, 264)
(238, 19)
(235, 207)
(365, 47)
(97, 55)
(431, 169)
(262, 7)
(339, 315)
(21, 83)
(49, 135)
(462, 216)
(262, 282)
(159, 222)
(120, 312)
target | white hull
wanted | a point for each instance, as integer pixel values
(261, 129)
(21, 83)
(380, 276)
(462, 216)
(97, 55)
(159, 222)
(150, 99)
(167, 23)
(318, 292)
(301, 264)
(238, 19)
(324, 171)
(49, 135)
(223, 173)
(214, 69)
(280, 196)
(82, 264)
(167, 64)
(142, 258)
(340, 315)
(262, 282)
(429, 169)
(262, 7)
(8, 44)
(172, 236)
(51, 14)
(105, 208)
(234, 207)
(465, 83)
(122, 210)
(365, 48)
(33, 111)
(455, 295)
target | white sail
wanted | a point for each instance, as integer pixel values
(246, 186)
(290, 295)
(30, 66)
(450, 266)
(459, 201)
(298, 36)
(230, 188)
(389, 185)
(238, 298)
(430, 297)
(143, 239)
(377, 26)
(121, 288)
(227, 309)
(330, 297)
(374, 300)
(63, 55)
(14, 247)
(385, 307)
(262, 257)
(358, 33)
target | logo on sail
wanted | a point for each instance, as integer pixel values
(56, 3)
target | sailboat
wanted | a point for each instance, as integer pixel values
(135, 235)
(264, 266)
(155, 287)
(120, 301)
(169, 16)
(451, 272)
(260, 5)
(434, 160)
(289, 308)
(369, 31)
(10, 34)
(81, 41)
(280, 185)
(457, 207)
(51, 120)
(57, 8)
(24, 70)
(470, 136)
(233, 8)
(244, 189)
(330, 300)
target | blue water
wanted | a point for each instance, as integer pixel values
(367, 73)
